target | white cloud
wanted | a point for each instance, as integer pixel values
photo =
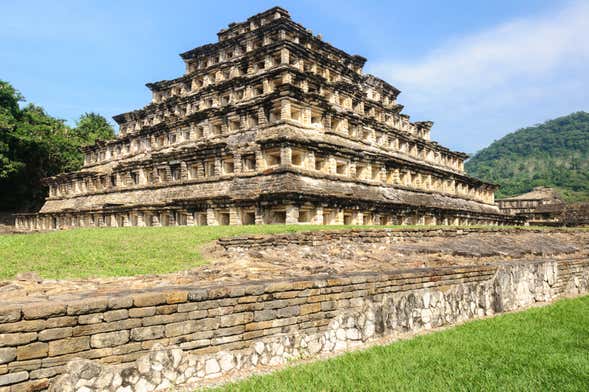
(521, 48)
(516, 63)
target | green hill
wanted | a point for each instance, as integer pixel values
(555, 153)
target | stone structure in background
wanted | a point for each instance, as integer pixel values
(270, 124)
(541, 206)
(575, 214)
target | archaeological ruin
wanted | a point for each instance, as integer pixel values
(527, 203)
(271, 124)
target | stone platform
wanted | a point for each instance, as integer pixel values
(212, 324)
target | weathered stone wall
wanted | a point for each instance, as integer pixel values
(197, 334)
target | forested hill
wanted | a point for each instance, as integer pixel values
(555, 153)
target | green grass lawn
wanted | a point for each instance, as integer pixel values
(542, 349)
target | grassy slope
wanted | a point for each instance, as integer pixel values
(540, 349)
(118, 251)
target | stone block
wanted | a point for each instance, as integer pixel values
(254, 289)
(46, 372)
(147, 333)
(202, 335)
(166, 309)
(248, 307)
(236, 319)
(109, 339)
(13, 378)
(181, 328)
(43, 310)
(55, 333)
(263, 315)
(27, 365)
(69, 345)
(289, 311)
(212, 366)
(287, 294)
(279, 286)
(310, 308)
(7, 355)
(17, 339)
(229, 342)
(32, 351)
(85, 306)
(127, 348)
(198, 314)
(164, 319)
(220, 311)
(280, 303)
(58, 322)
(124, 359)
(195, 344)
(256, 334)
(142, 312)
(247, 299)
(116, 315)
(197, 295)
(149, 299)
(148, 344)
(92, 318)
(258, 325)
(218, 292)
(120, 302)
(188, 307)
(176, 297)
(23, 326)
(9, 314)
(208, 324)
(92, 329)
(229, 331)
(32, 386)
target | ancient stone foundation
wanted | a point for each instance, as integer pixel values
(197, 334)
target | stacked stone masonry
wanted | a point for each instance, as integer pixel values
(271, 124)
(197, 334)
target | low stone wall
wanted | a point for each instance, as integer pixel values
(143, 341)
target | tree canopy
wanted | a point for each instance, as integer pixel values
(35, 145)
(555, 154)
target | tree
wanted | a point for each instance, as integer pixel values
(9, 115)
(91, 127)
(35, 145)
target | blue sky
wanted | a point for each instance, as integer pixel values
(478, 69)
